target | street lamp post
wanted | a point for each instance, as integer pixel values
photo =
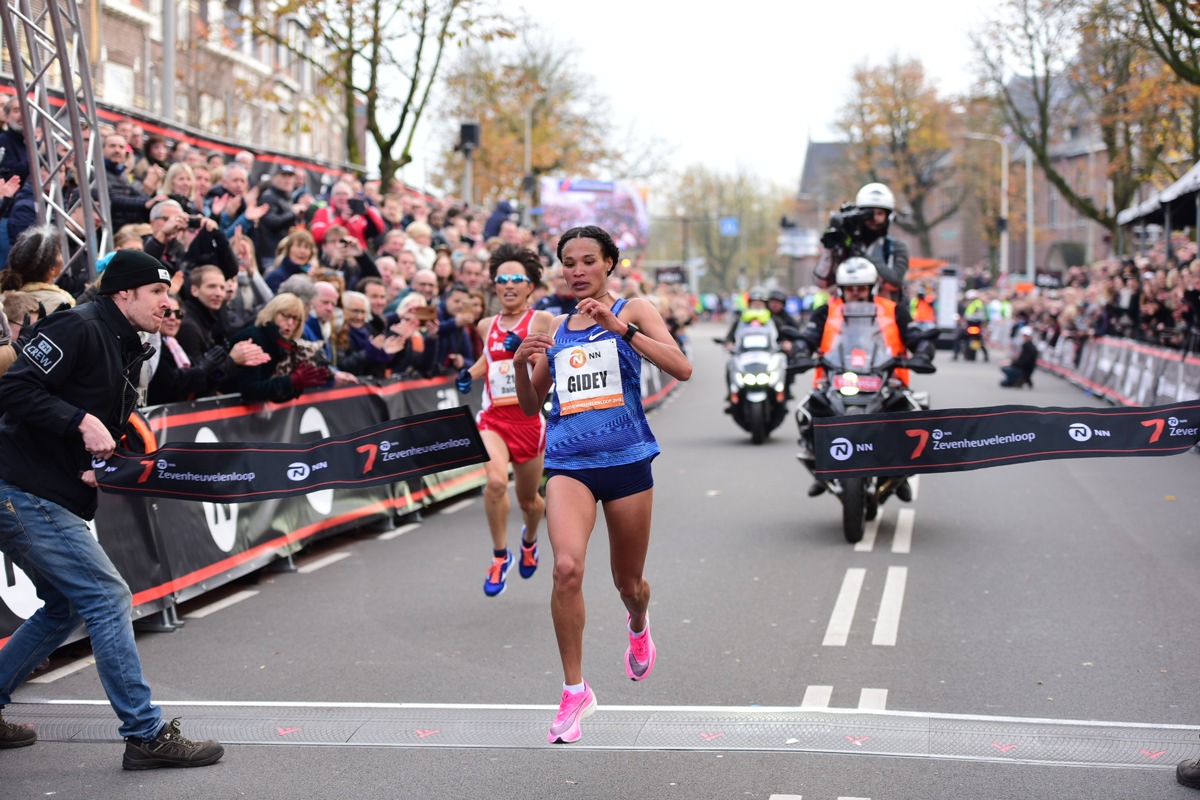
(1003, 198)
(527, 183)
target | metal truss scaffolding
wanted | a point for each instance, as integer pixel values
(49, 62)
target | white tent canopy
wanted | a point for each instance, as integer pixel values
(1188, 184)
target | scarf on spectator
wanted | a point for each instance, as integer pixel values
(181, 358)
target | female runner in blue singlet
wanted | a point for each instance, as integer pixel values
(598, 449)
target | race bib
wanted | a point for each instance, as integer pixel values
(587, 376)
(501, 382)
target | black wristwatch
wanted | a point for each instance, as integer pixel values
(630, 330)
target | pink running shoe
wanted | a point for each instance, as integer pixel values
(571, 711)
(640, 657)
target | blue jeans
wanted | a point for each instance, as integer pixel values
(77, 583)
(1012, 375)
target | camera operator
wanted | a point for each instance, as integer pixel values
(862, 230)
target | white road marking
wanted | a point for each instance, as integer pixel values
(869, 533)
(902, 540)
(914, 483)
(456, 507)
(213, 608)
(387, 536)
(817, 697)
(872, 699)
(62, 672)
(843, 610)
(751, 711)
(887, 624)
(321, 563)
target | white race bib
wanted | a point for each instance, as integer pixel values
(587, 376)
(502, 383)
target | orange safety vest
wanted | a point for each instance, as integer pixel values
(885, 316)
(923, 312)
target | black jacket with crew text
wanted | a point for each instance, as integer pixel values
(82, 360)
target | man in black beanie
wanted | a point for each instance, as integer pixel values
(63, 406)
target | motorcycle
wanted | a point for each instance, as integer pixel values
(859, 379)
(757, 373)
(973, 339)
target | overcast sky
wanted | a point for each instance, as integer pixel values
(745, 84)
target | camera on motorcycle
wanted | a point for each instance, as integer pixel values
(921, 366)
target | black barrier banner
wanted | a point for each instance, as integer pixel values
(244, 472)
(974, 438)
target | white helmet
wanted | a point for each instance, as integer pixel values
(875, 195)
(857, 271)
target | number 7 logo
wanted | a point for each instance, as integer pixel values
(922, 438)
(370, 450)
(1158, 425)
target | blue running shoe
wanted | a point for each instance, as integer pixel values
(493, 582)
(529, 557)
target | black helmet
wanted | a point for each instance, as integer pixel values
(778, 294)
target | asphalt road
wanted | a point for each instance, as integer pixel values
(1023, 631)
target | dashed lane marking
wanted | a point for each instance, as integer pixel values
(872, 700)
(456, 507)
(387, 536)
(64, 671)
(843, 610)
(887, 624)
(221, 604)
(870, 531)
(902, 539)
(321, 563)
(817, 697)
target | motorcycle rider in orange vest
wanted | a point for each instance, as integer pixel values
(856, 279)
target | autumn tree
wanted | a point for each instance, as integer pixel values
(698, 201)
(534, 80)
(1061, 67)
(899, 132)
(1172, 29)
(384, 55)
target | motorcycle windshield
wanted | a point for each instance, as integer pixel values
(859, 347)
(755, 336)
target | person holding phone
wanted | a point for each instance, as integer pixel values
(343, 253)
(361, 220)
(598, 450)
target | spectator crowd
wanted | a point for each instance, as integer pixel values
(282, 282)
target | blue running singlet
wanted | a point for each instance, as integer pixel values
(596, 415)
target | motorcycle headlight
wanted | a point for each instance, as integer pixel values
(748, 379)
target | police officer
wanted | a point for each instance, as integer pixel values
(63, 406)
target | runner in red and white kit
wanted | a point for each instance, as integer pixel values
(509, 436)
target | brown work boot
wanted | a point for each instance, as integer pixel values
(14, 735)
(170, 749)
